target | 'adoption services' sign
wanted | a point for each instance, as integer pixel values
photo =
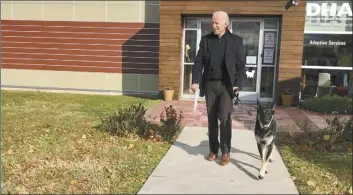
(327, 40)
(326, 16)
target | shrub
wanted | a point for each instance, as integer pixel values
(330, 104)
(338, 133)
(126, 122)
(170, 123)
(340, 129)
(131, 123)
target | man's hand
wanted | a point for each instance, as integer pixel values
(194, 87)
(236, 90)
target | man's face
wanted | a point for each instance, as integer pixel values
(218, 24)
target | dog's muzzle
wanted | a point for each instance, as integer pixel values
(267, 125)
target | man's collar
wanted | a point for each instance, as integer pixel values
(226, 33)
(221, 35)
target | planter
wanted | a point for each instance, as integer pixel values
(168, 95)
(287, 100)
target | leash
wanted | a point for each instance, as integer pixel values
(237, 96)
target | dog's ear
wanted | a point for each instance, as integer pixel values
(273, 105)
(258, 103)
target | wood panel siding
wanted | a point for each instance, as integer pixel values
(80, 46)
(291, 40)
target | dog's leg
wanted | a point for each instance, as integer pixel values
(264, 157)
(269, 154)
(262, 149)
(265, 162)
(259, 147)
(271, 160)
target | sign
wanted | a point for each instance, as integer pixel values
(251, 60)
(314, 42)
(328, 9)
(328, 40)
(327, 50)
(328, 16)
(250, 74)
(269, 39)
(269, 55)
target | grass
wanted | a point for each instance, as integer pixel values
(49, 145)
(317, 172)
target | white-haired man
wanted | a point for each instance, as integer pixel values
(221, 56)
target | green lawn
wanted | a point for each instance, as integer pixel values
(317, 172)
(50, 145)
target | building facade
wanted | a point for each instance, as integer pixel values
(141, 47)
(108, 47)
(327, 51)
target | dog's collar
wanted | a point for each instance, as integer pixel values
(266, 125)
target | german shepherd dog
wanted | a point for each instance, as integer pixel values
(265, 134)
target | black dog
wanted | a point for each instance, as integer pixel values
(265, 134)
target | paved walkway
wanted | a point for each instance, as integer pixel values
(287, 118)
(184, 170)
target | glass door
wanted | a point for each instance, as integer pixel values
(260, 40)
(250, 31)
(194, 29)
(190, 48)
(269, 59)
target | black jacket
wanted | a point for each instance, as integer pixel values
(234, 59)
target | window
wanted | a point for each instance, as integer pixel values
(190, 48)
(327, 52)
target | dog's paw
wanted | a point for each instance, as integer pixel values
(261, 177)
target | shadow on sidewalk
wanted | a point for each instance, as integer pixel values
(200, 150)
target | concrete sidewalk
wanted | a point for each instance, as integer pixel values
(184, 170)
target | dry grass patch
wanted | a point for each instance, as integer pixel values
(320, 162)
(50, 145)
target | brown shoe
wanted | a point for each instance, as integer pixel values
(224, 159)
(211, 156)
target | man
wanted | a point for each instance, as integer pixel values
(221, 56)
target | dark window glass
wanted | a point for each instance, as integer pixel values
(266, 86)
(190, 46)
(191, 23)
(206, 27)
(270, 23)
(337, 82)
(327, 50)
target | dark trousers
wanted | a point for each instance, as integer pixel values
(219, 107)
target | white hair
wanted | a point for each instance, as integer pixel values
(223, 14)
